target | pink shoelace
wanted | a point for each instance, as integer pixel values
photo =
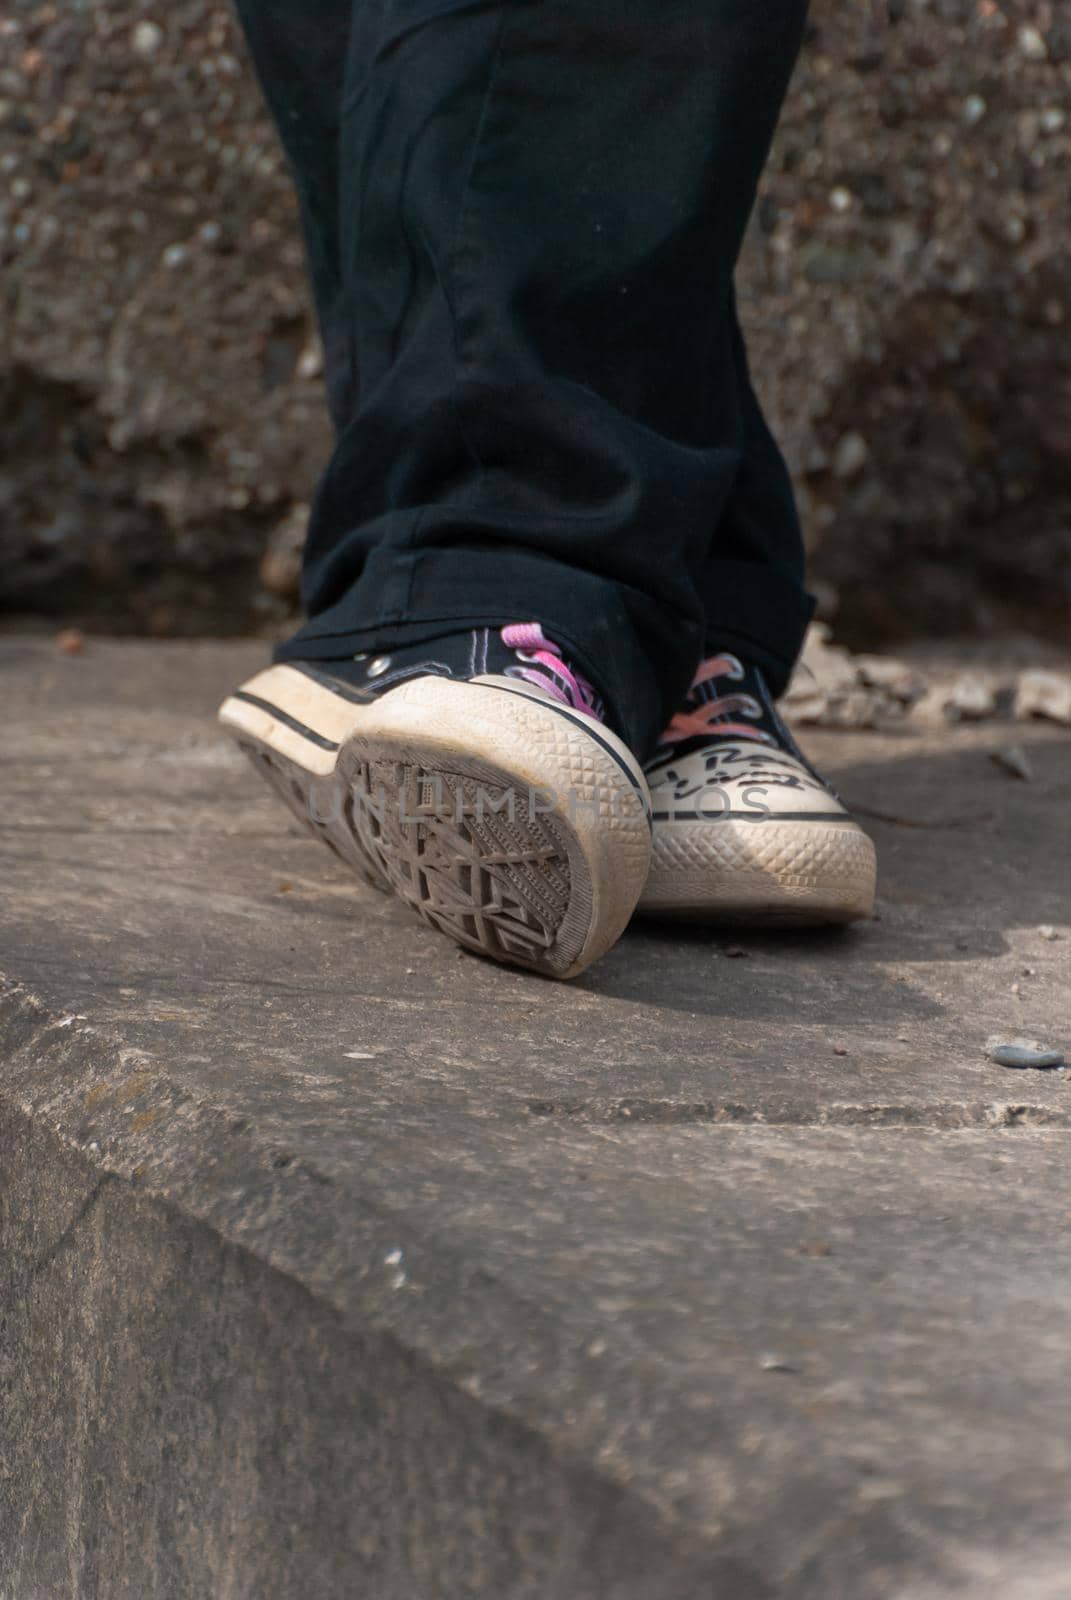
(546, 668)
(704, 717)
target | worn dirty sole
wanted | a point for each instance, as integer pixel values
(518, 827)
(768, 873)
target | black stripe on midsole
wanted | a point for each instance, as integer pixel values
(752, 816)
(327, 680)
(284, 716)
(585, 726)
(329, 744)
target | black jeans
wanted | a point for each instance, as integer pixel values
(523, 218)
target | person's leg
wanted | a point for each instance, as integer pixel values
(523, 220)
(744, 829)
(755, 603)
(300, 53)
(542, 205)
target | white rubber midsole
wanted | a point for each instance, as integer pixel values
(808, 870)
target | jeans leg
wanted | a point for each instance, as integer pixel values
(300, 51)
(752, 581)
(541, 206)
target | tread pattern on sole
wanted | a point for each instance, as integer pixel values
(456, 830)
(315, 803)
(468, 858)
(464, 854)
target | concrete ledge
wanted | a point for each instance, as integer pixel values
(182, 1419)
(334, 1264)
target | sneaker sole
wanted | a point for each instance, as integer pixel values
(774, 874)
(519, 829)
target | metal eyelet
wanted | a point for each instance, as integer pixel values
(378, 666)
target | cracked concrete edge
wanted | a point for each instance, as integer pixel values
(93, 1491)
(128, 1117)
(937, 1117)
(205, 1164)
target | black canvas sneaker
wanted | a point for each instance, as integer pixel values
(473, 777)
(745, 830)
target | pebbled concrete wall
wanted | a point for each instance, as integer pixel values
(905, 282)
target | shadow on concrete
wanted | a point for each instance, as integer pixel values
(967, 856)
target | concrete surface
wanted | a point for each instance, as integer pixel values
(338, 1263)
